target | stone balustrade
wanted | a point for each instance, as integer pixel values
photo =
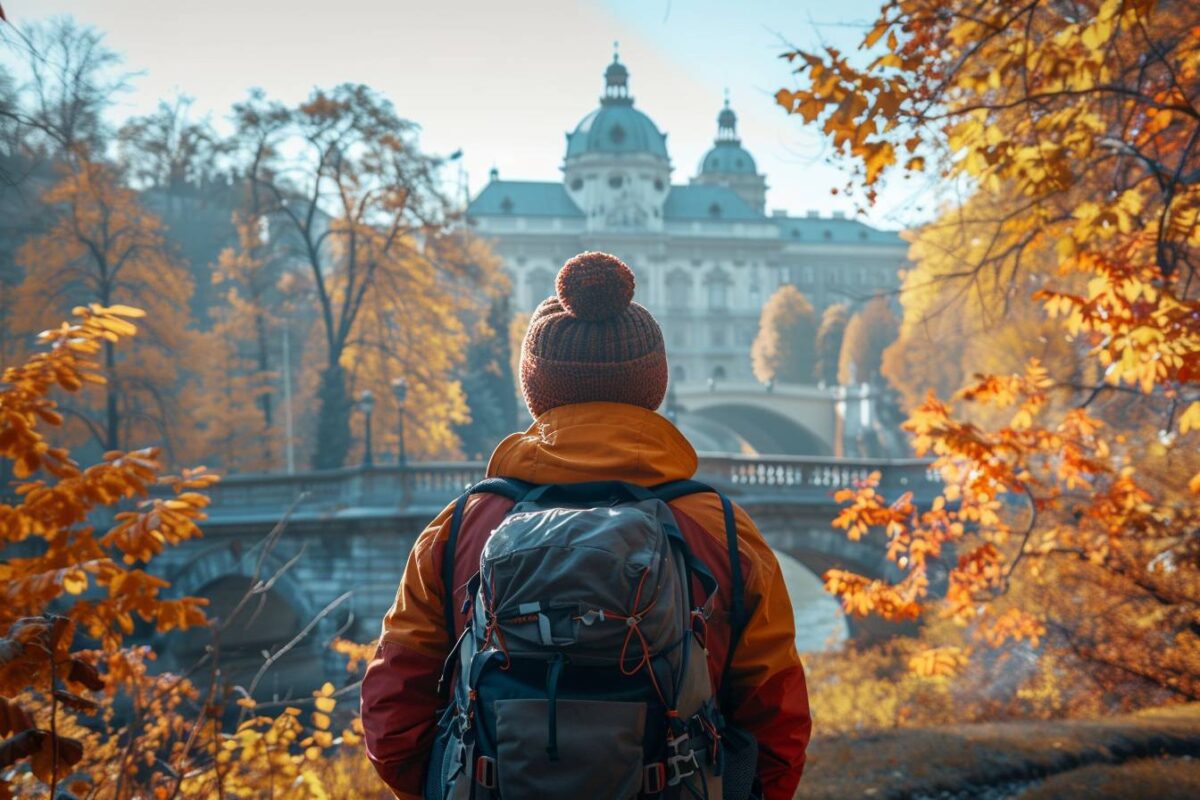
(430, 485)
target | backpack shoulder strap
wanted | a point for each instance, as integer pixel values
(511, 488)
(737, 611)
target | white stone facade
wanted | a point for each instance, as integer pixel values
(705, 255)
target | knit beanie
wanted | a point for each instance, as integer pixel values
(590, 341)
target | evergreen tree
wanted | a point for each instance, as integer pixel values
(488, 383)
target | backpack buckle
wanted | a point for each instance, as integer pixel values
(680, 761)
(654, 778)
(485, 772)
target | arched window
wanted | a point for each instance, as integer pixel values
(718, 373)
(679, 374)
(717, 282)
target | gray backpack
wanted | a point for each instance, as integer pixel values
(581, 672)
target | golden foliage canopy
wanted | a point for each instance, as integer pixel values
(1076, 130)
(783, 350)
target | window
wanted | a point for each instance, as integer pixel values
(718, 373)
(679, 374)
(717, 282)
(679, 336)
(714, 210)
(679, 290)
(617, 134)
(717, 335)
(506, 205)
(615, 181)
(576, 184)
(658, 184)
(718, 295)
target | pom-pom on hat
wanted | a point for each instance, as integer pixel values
(590, 342)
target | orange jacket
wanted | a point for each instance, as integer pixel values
(568, 444)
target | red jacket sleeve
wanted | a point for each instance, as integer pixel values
(400, 697)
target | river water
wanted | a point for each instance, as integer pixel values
(820, 624)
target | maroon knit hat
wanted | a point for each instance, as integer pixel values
(591, 342)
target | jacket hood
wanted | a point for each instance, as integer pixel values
(596, 442)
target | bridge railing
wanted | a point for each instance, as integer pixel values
(812, 474)
(432, 484)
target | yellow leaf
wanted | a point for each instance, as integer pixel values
(1189, 420)
(325, 704)
(75, 581)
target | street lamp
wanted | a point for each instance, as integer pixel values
(366, 404)
(400, 390)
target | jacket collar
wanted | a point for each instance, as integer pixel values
(595, 442)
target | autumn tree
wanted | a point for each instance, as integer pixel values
(82, 712)
(74, 78)
(783, 350)
(168, 150)
(104, 247)
(415, 327)
(1070, 508)
(53, 507)
(358, 196)
(867, 335)
(828, 345)
(237, 371)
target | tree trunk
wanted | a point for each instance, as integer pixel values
(333, 420)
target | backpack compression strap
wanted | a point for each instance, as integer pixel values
(505, 487)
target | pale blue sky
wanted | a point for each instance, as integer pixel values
(502, 79)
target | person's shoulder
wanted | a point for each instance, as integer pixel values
(706, 510)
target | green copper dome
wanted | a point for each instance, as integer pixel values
(616, 127)
(727, 155)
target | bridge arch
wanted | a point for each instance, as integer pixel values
(223, 574)
(781, 420)
(766, 430)
(818, 547)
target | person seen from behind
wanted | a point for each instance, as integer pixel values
(589, 622)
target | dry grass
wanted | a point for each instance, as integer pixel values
(901, 763)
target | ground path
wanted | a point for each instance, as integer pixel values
(1155, 754)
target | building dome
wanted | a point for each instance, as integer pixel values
(728, 157)
(727, 154)
(616, 127)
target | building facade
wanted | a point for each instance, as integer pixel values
(706, 253)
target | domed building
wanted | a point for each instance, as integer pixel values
(729, 164)
(706, 253)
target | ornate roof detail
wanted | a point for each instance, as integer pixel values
(616, 126)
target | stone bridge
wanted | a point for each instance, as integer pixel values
(351, 530)
(785, 418)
